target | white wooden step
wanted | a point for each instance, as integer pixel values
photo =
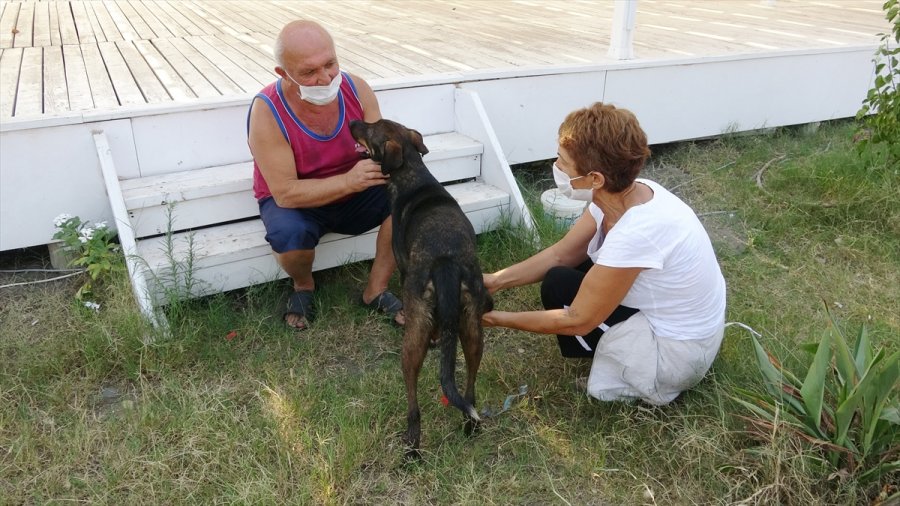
(236, 255)
(225, 193)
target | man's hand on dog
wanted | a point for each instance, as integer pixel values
(364, 174)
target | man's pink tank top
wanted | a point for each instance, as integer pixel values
(316, 156)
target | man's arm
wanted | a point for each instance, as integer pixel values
(371, 110)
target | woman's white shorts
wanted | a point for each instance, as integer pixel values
(630, 362)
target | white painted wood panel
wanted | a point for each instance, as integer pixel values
(191, 140)
(720, 96)
(428, 109)
(526, 112)
(36, 173)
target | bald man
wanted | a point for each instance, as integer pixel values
(308, 177)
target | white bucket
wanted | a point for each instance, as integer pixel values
(561, 208)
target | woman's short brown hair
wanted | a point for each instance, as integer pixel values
(602, 138)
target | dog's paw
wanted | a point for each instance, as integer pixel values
(471, 427)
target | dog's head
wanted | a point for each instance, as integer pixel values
(387, 142)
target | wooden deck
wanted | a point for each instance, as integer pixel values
(60, 56)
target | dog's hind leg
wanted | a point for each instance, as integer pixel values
(414, 349)
(472, 341)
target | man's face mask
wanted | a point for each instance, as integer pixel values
(564, 183)
(319, 95)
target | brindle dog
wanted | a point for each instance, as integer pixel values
(443, 290)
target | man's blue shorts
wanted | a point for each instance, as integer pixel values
(300, 229)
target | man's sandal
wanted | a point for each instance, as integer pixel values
(300, 303)
(385, 303)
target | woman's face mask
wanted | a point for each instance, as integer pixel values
(319, 95)
(564, 183)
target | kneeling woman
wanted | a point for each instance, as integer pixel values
(635, 283)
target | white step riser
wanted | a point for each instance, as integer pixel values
(245, 236)
(255, 265)
(201, 207)
(445, 161)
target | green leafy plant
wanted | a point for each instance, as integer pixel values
(92, 247)
(880, 111)
(846, 404)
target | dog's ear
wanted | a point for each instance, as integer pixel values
(417, 141)
(392, 157)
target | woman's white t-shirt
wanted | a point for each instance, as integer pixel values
(681, 290)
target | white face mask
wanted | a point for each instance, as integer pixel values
(319, 95)
(564, 183)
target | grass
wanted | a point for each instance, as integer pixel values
(90, 413)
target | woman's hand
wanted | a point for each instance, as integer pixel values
(489, 319)
(491, 283)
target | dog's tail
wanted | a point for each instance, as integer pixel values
(446, 275)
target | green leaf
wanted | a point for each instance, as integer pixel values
(847, 408)
(813, 390)
(809, 347)
(884, 382)
(891, 414)
(771, 375)
(862, 351)
(846, 368)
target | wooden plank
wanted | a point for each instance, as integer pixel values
(198, 84)
(207, 68)
(55, 36)
(86, 24)
(10, 63)
(211, 12)
(136, 268)
(105, 22)
(41, 24)
(199, 21)
(56, 97)
(68, 32)
(248, 59)
(30, 94)
(163, 18)
(103, 93)
(178, 19)
(241, 77)
(127, 90)
(121, 21)
(77, 82)
(141, 28)
(252, 19)
(158, 27)
(151, 87)
(8, 23)
(24, 26)
(170, 79)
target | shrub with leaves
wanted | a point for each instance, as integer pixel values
(880, 112)
(92, 247)
(846, 404)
